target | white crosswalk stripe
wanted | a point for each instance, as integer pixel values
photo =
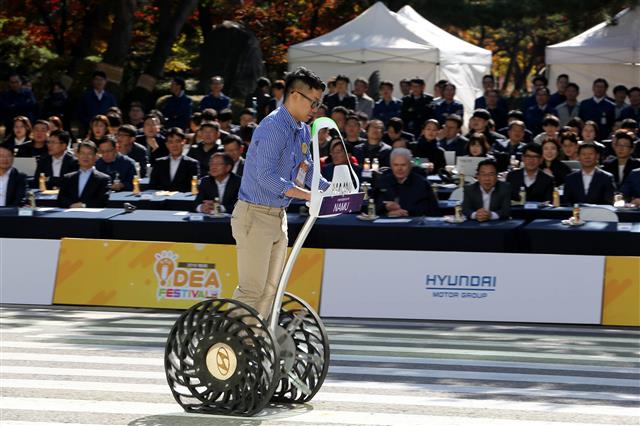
(88, 366)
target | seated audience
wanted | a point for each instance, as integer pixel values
(404, 192)
(395, 132)
(216, 99)
(13, 184)
(352, 129)
(234, 148)
(589, 184)
(514, 144)
(207, 146)
(175, 171)
(479, 123)
(631, 187)
(453, 139)
(551, 163)
(152, 138)
(120, 168)
(487, 199)
(58, 162)
(86, 187)
(537, 184)
(427, 148)
(20, 134)
(37, 146)
(373, 147)
(338, 157)
(569, 142)
(621, 165)
(220, 183)
(477, 146)
(128, 146)
(98, 127)
(550, 126)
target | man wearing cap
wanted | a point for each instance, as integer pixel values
(277, 169)
(13, 184)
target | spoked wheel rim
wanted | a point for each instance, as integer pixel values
(311, 362)
(221, 358)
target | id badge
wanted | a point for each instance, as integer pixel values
(303, 168)
(603, 120)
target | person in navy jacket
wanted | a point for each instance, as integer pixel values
(589, 184)
(96, 100)
(599, 109)
(177, 108)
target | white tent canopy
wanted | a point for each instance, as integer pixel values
(401, 45)
(608, 50)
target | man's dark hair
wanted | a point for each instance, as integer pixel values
(114, 120)
(449, 84)
(175, 131)
(209, 114)
(541, 78)
(128, 129)
(634, 89)
(533, 147)
(396, 124)
(621, 88)
(88, 144)
(342, 77)
(44, 122)
(354, 118)
(361, 80)
(211, 124)
(248, 111)
(624, 134)
(550, 120)
(301, 76)
(196, 117)
(455, 118)
(278, 84)
(570, 136)
(441, 83)
(516, 113)
(405, 81)
(629, 124)
(418, 80)
(225, 157)
(246, 133)
(152, 116)
(180, 82)
(543, 89)
(387, 83)
(263, 82)
(576, 122)
(601, 80)
(232, 139)
(340, 109)
(98, 74)
(63, 137)
(488, 162)
(107, 139)
(430, 121)
(574, 85)
(488, 76)
(587, 146)
(518, 123)
(225, 115)
(562, 76)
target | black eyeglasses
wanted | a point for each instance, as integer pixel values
(314, 104)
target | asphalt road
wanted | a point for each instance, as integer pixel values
(90, 366)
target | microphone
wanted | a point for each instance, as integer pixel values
(128, 207)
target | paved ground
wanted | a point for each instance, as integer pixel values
(61, 365)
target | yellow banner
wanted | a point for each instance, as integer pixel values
(163, 274)
(621, 302)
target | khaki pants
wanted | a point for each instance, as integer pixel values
(261, 242)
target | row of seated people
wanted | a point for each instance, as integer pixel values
(403, 191)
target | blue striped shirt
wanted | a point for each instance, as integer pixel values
(273, 159)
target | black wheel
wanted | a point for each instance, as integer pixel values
(306, 362)
(221, 358)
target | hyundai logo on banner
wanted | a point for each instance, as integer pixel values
(461, 286)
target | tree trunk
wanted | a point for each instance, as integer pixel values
(121, 33)
(170, 26)
(89, 23)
